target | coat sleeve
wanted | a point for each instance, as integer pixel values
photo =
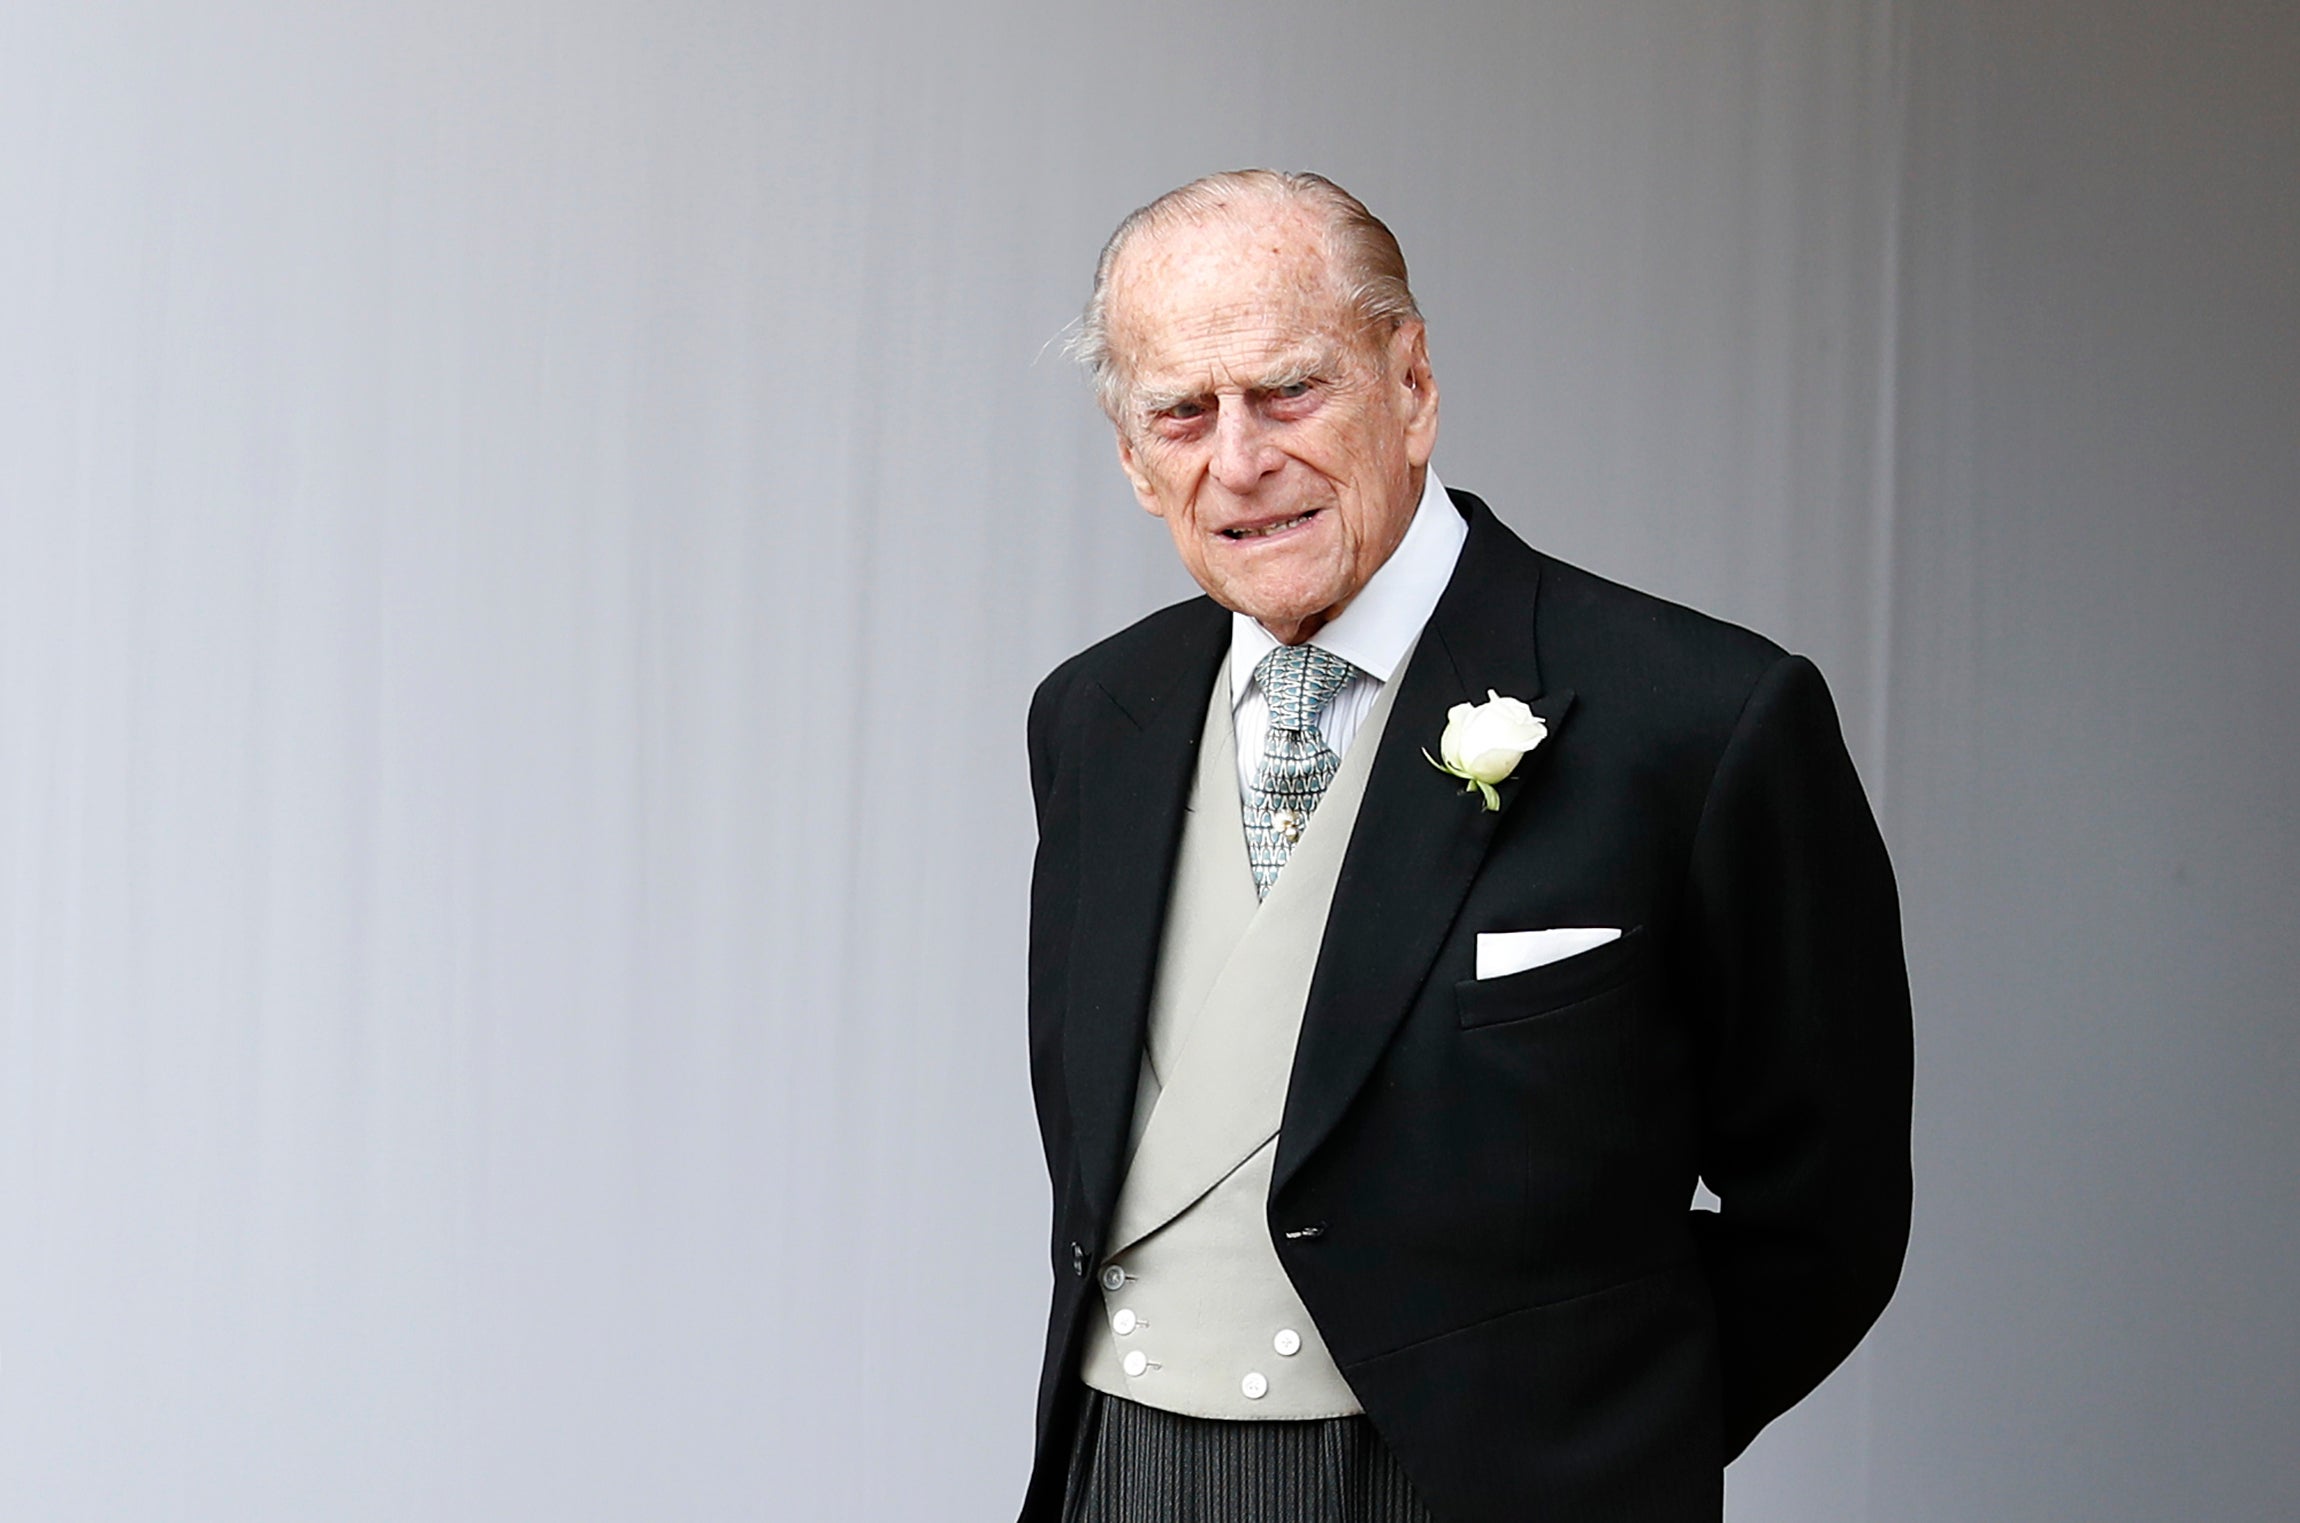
(1796, 966)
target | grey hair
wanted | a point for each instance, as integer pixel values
(1358, 244)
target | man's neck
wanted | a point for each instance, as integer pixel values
(1375, 629)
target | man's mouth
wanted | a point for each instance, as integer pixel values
(1264, 531)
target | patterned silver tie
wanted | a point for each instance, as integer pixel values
(1298, 681)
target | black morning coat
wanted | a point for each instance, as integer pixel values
(1482, 1187)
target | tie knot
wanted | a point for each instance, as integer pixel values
(1299, 681)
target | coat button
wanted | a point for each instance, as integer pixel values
(1113, 1278)
(1135, 1363)
(1078, 1260)
(1254, 1386)
(1122, 1321)
(1288, 1342)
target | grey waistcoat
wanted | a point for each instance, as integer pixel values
(1204, 1320)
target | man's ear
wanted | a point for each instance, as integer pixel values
(1133, 470)
(1417, 393)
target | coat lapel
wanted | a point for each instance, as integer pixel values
(1139, 750)
(1420, 836)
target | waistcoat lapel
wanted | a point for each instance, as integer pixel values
(1210, 906)
(1220, 1088)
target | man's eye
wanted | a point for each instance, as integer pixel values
(1291, 391)
(1185, 411)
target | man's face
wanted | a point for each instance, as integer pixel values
(1282, 443)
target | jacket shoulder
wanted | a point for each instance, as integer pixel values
(1596, 633)
(1136, 668)
(1607, 640)
(1681, 691)
(1140, 656)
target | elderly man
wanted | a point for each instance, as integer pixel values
(1416, 920)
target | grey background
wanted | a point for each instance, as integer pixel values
(526, 532)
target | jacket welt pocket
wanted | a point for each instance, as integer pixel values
(1553, 986)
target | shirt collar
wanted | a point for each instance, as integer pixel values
(1382, 622)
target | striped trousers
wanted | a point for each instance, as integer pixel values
(1137, 1464)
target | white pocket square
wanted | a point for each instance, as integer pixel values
(1500, 953)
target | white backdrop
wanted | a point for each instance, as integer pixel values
(526, 533)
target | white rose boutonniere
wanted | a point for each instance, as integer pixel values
(1484, 742)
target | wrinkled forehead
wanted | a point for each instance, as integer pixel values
(1238, 290)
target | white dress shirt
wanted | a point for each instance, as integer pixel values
(1374, 634)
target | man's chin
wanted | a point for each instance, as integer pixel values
(1278, 597)
(1290, 620)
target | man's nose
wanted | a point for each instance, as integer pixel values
(1243, 450)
